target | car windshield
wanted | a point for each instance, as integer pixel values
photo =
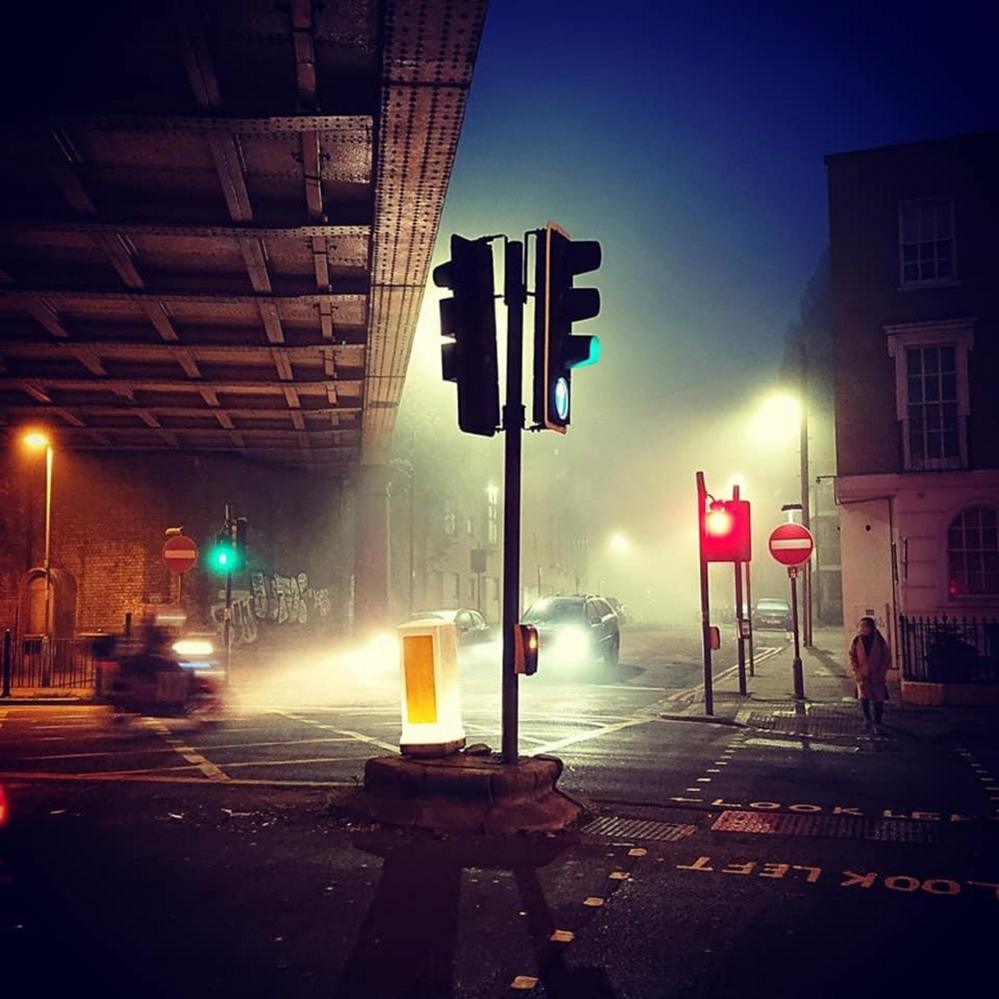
(553, 611)
(772, 605)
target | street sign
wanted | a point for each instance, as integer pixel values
(180, 553)
(791, 544)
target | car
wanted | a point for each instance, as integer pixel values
(623, 614)
(470, 624)
(772, 614)
(576, 630)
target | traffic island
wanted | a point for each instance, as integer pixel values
(479, 795)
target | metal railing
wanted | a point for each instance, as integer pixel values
(949, 649)
(37, 661)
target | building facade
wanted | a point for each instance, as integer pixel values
(915, 286)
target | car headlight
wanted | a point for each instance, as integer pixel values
(573, 642)
(193, 647)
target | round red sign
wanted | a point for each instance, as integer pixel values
(791, 544)
(179, 553)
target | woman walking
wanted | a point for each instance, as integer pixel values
(870, 659)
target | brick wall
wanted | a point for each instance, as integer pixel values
(110, 512)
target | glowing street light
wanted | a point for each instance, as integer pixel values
(777, 419)
(37, 440)
(619, 543)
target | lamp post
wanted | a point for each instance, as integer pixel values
(780, 418)
(37, 440)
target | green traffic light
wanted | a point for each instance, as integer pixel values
(577, 346)
(223, 558)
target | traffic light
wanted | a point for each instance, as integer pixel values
(526, 646)
(469, 319)
(726, 534)
(227, 554)
(557, 305)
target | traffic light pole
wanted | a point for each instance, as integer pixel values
(514, 295)
(749, 608)
(709, 695)
(227, 620)
(739, 608)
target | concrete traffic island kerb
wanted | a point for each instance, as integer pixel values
(464, 793)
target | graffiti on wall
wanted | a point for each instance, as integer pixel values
(288, 599)
(244, 621)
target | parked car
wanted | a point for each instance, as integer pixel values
(470, 624)
(772, 614)
(575, 630)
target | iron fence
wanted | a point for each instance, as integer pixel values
(949, 649)
(37, 661)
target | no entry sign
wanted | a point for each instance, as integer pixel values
(180, 553)
(791, 544)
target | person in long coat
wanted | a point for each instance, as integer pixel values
(870, 660)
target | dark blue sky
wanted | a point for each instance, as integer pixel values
(689, 139)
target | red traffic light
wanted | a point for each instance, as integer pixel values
(526, 646)
(725, 532)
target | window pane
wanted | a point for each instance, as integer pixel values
(910, 253)
(948, 385)
(910, 272)
(987, 516)
(916, 417)
(931, 359)
(948, 358)
(932, 389)
(914, 360)
(949, 415)
(934, 445)
(952, 448)
(915, 390)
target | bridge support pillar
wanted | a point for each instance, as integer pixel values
(371, 558)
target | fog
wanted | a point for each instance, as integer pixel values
(627, 463)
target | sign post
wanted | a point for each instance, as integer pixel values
(792, 545)
(180, 555)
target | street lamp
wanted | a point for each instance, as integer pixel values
(619, 543)
(780, 417)
(36, 440)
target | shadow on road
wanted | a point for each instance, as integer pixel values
(406, 944)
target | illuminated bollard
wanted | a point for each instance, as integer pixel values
(431, 698)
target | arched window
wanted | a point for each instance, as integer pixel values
(973, 552)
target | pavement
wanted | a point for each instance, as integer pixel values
(783, 853)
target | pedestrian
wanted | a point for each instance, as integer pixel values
(870, 659)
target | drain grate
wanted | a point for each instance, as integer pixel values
(622, 828)
(830, 826)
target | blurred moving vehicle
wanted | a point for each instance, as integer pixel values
(146, 676)
(772, 614)
(470, 624)
(576, 630)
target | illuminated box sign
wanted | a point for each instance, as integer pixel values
(431, 697)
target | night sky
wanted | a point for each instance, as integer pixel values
(689, 139)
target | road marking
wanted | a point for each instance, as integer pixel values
(804, 743)
(359, 736)
(209, 749)
(690, 693)
(231, 766)
(595, 734)
(160, 777)
(209, 769)
(865, 880)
